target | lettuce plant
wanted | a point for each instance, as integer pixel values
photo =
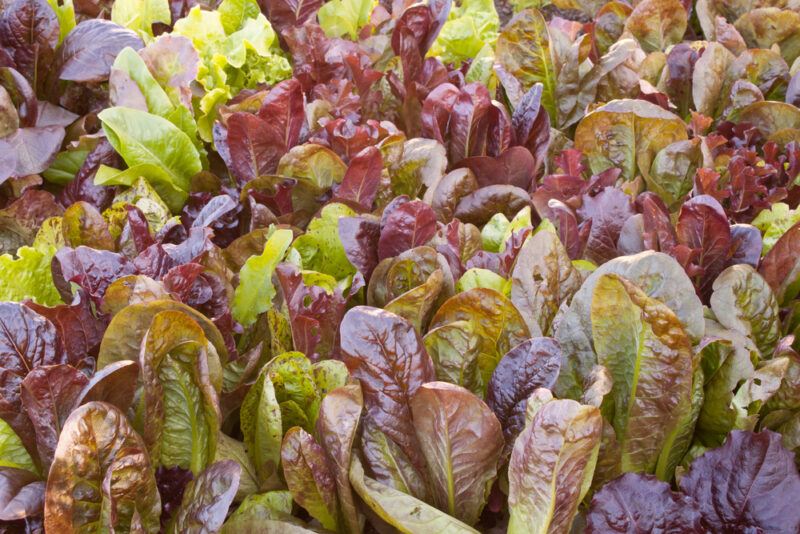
(353, 266)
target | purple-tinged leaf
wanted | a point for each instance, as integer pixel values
(207, 498)
(100, 464)
(21, 494)
(359, 237)
(49, 394)
(87, 53)
(411, 225)
(387, 355)
(309, 477)
(115, 384)
(527, 367)
(641, 503)
(608, 212)
(284, 110)
(703, 227)
(29, 31)
(514, 167)
(462, 442)
(255, 150)
(93, 270)
(751, 482)
(314, 313)
(362, 178)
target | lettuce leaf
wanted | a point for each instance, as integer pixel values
(471, 25)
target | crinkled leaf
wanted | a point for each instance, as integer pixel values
(337, 425)
(748, 483)
(49, 393)
(645, 348)
(494, 319)
(101, 475)
(207, 498)
(552, 464)
(309, 477)
(387, 355)
(531, 365)
(180, 404)
(642, 503)
(627, 134)
(743, 301)
(657, 24)
(543, 278)
(254, 293)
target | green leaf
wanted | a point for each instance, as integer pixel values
(471, 26)
(552, 464)
(643, 345)
(253, 295)
(144, 197)
(483, 278)
(774, 222)
(314, 163)
(12, 452)
(523, 49)
(180, 404)
(156, 148)
(402, 511)
(657, 24)
(659, 276)
(494, 231)
(261, 423)
(320, 247)
(454, 349)
(345, 17)
(627, 134)
(65, 166)
(495, 322)
(140, 15)
(259, 507)
(743, 301)
(542, 280)
(130, 62)
(65, 13)
(234, 13)
(29, 276)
